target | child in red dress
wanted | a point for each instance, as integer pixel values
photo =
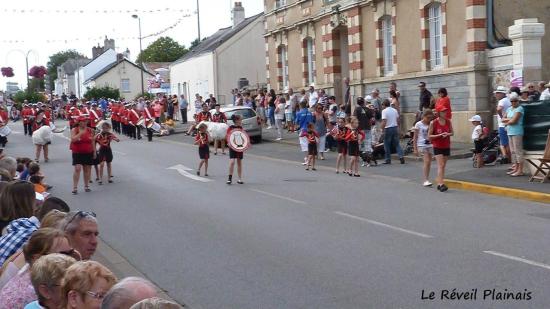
(201, 139)
(312, 137)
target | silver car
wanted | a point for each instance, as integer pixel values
(251, 122)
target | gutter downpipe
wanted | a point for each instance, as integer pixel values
(492, 41)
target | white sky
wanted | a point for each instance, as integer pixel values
(35, 27)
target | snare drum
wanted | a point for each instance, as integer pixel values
(5, 131)
(155, 127)
(141, 123)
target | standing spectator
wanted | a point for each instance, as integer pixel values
(425, 100)
(238, 99)
(260, 106)
(390, 125)
(545, 95)
(198, 103)
(514, 127)
(525, 98)
(321, 123)
(85, 285)
(170, 106)
(175, 113)
(502, 106)
(394, 101)
(323, 98)
(444, 101)
(393, 86)
(290, 110)
(422, 145)
(376, 101)
(82, 147)
(440, 132)
(313, 97)
(347, 97)
(280, 117)
(271, 108)
(303, 118)
(183, 108)
(534, 94)
(364, 116)
(46, 275)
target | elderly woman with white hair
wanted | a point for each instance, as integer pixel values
(85, 284)
(514, 126)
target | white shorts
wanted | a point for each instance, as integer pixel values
(303, 143)
(423, 150)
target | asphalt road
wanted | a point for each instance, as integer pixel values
(288, 238)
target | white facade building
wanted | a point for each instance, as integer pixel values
(104, 60)
(217, 63)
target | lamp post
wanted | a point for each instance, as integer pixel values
(198, 21)
(26, 55)
(140, 52)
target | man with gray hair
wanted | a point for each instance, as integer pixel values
(10, 165)
(82, 231)
(127, 292)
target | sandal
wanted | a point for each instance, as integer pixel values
(100, 182)
(74, 192)
(87, 189)
(110, 181)
(356, 175)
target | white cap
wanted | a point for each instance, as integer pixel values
(475, 118)
(513, 96)
(501, 89)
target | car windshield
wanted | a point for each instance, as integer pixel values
(245, 113)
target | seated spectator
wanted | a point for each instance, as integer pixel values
(23, 168)
(127, 292)
(85, 285)
(5, 176)
(82, 231)
(38, 184)
(545, 95)
(156, 303)
(17, 202)
(53, 219)
(19, 291)
(46, 275)
(50, 204)
(10, 165)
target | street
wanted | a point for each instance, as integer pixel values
(290, 238)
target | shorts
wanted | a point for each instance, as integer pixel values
(289, 117)
(423, 150)
(312, 149)
(105, 154)
(343, 147)
(235, 155)
(478, 145)
(303, 143)
(503, 136)
(353, 148)
(442, 151)
(204, 152)
(83, 158)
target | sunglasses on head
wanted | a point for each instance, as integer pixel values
(82, 214)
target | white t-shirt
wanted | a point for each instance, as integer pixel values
(422, 131)
(505, 104)
(391, 116)
(313, 98)
(477, 132)
(545, 95)
(280, 114)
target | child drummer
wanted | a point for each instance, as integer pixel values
(201, 139)
(235, 156)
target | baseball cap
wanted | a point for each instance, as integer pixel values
(501, 89)
(475, 118)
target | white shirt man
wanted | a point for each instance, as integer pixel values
(391, 117)
(313, 97)
(545, 95)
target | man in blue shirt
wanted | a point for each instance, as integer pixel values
(183, 108)
(103, 105)
(303, 118)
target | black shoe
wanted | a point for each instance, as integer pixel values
(387, 162)
(438, 187)
(443, 188)
(402, 160)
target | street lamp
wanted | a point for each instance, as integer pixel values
(140, 52)
(26, 54)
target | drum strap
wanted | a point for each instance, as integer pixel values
(95, 114)
(148, 113)
(135, 113)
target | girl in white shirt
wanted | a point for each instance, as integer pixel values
(422, 144)
(279, 117)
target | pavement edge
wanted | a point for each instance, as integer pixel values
(499, 191)
(122, 268)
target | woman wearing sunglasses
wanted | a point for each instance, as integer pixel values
(85, 285)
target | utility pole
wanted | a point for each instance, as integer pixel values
(141, 53)
(198, 21)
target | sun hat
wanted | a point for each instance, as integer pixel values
(501, 89)
(475, 118)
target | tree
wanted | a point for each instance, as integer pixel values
(57, 59)
(164, 49)
(36, 84)
(102, 92)
(32, 97)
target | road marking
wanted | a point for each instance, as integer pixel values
(119, 152)
(515, 258)
(395, 228)
(184, 171)
(279, 196)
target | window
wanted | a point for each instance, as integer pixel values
(435, 28)
(280, 3)
(284, 62)
(387, 45)
(310, 54)
(125, 85)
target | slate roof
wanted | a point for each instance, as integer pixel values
(214, 41)
(109, 67)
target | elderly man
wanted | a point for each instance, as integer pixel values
(127, 292)
(10, 165)
(82, 231)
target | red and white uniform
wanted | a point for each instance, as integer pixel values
(95, 116)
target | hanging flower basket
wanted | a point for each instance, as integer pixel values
(7, 72)
(38, 72)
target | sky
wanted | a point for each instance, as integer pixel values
(46, 27)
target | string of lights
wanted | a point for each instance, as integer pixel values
(93, 11)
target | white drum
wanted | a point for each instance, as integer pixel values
(5, 131)
(141, 123)
(155, 127)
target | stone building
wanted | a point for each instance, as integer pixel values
(374, 42)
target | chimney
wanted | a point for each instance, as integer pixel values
(126, 53)
(238, 13)
(119, 57)
(108, 44)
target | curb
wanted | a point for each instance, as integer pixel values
(500, 191)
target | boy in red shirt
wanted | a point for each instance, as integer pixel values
(201, 139)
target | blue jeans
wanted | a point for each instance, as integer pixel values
(271, 113)
(391, 139)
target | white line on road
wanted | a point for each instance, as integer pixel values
(183, 170)
(395, 228)
(119, 152)
(515, 258)
(279, 196)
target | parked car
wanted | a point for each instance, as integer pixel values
(251, 122)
